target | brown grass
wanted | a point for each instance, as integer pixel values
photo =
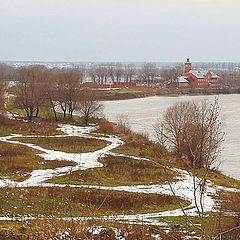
(8, 126)
(59, 202)
(17, 161)
(53, 229)
(114, 173)
(65, 144)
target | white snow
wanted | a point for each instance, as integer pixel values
(182, 188)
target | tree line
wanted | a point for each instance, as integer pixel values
(105, 73)
(57, 91)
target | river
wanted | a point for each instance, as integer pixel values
(143, 113)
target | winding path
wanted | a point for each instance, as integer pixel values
(182, 188)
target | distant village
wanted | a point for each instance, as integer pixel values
(185, 75)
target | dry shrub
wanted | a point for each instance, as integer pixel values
(51, 228)
(123, 124)
(105, 126)
(230, 202)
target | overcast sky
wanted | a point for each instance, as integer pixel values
(120, 30)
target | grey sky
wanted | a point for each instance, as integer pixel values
(120, 30)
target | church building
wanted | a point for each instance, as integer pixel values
(197, 78)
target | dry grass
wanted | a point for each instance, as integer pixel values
(66, 144)
(114, 173)
(18, 161)
(59, 202)
(54, 229)
(8, 126)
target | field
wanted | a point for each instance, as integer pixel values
(119, 180)
(17, 162)
(114, 173)
(65, 144)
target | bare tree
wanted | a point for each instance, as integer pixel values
(119, 72)
(193, 131)
(148, 72)
(111, 72)
(169, 75)
(129, 71)
(2, 89)
(68, 90)
(52, 94)
(89, 106)
(30, 89)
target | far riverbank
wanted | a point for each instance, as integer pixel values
(132, 93)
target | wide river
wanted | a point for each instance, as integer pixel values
(143, 113)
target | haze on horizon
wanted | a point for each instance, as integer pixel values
(120, 30)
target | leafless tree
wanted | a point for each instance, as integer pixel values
(52, 94)
(129, 71)
(101, 72)
(2, 89)
(148, 72)
(111, 72)
(92, 73)
(68, 90)
(89, 106)
(30, 89)
(119, 72)
(193, 131)
(170, 74)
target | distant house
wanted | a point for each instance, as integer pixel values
(181, 82)
(197, 78)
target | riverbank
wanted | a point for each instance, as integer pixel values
(131, 93)
(144, 197)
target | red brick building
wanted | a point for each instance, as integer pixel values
(197, 78)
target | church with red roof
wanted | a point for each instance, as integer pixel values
(197, 78)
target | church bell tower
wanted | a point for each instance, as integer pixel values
(188, 67)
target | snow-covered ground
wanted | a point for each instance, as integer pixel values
(183, 187)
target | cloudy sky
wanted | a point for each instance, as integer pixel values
(120, 30)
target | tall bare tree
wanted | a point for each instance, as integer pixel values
(129, 72)
(148, 72)
(68, 90)
(193, 131)
(30, 89)
(89, 106)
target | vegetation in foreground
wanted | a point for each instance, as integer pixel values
(65, 144)
(18, 126)
(17, 161)
(139, 145)
(114, 173)
(94, 230)
(67, 201)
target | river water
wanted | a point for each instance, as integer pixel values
(143, 113)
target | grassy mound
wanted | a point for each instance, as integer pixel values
(17, 161)
(66, 144)
(119, 171)
(60, 202)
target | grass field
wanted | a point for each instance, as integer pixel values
(119, 171)
(71, 230)
(17, 161)
(60, 202)
(65, 144)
